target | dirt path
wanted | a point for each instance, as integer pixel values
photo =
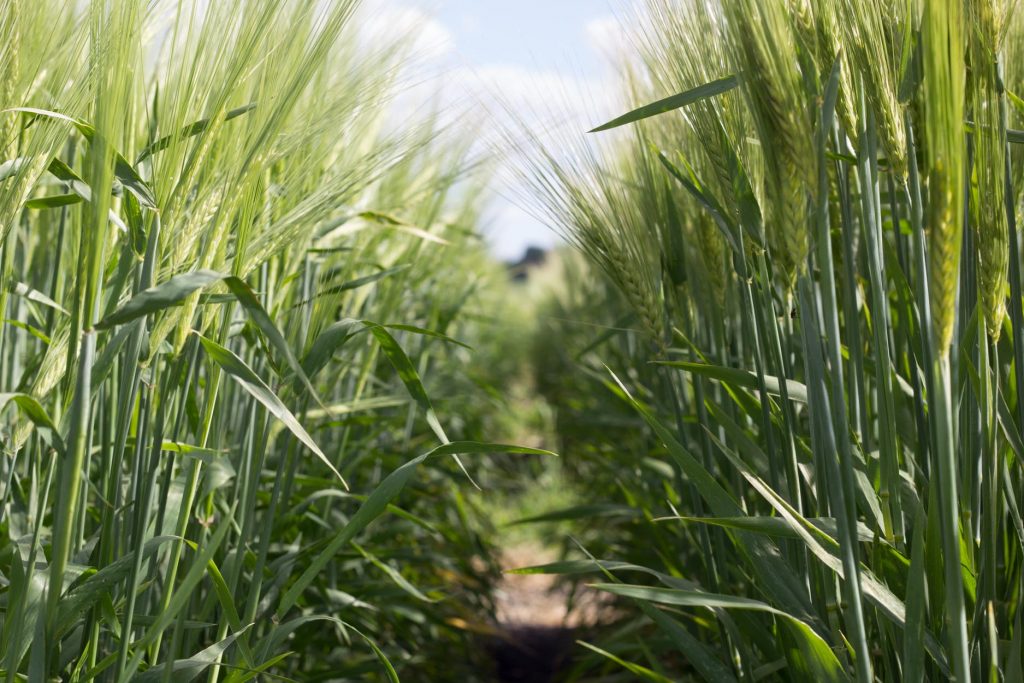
(538, 632)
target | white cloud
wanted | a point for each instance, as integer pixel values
(432, 40)
(514, 101)
(525, 107)
(607, 35)
(518, 95)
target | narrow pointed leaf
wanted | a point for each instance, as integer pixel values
(188, 131)
(236, 368)
(683, 99)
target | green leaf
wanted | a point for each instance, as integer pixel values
(337, 335)
(206, 455)
(778, 527)
(236, 368)
(635, 669)
(402, 226)
(576, 567)
(327, 343)
(179, 287)
(34, 331)
(741, 378)
(354, 284)
(23, 290)
(377, 503)
(85, 595)
(185, 670)
(393, 574)
(914, 630)
(182, 596)
(777, 578)
(242, 676)
(701, 656)
(188, 131)
(824, 548)
(279, 634)
(425, 333)
(31, 408)
(587, 511)
(410, 378)
(690, 183)
(11, 167)
(817, 656)
(54, 201)
(160, 297)
(79, 187)
(683, 99)
(123, 170)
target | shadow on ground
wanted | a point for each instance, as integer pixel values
(532, 654)
(536, 634)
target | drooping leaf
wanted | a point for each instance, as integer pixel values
(179, 287)
(354, 284)
(742, 378)
(641, 672)
(816, 655)
(86, 594)
(34, 411)
(160, 297)
(54, 201)
(236, 368)
(327, 343)
(123, 170)
(410, 378)
(23, 290)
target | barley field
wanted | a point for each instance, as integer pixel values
(273, 410)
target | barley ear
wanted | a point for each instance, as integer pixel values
(763, 43)
(987, 199)
(9, 73)
(944, 115)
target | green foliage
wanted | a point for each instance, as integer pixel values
(818, 476)
(204, 344)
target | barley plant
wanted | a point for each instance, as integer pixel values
(228, 278)
(804, 414)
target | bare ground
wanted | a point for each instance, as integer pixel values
(537, 632)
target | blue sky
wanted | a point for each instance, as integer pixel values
(532, 54)
(529, 32)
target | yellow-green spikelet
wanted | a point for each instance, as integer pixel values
(764, 45)
(988, 192)
(944, 132)
(10, 67)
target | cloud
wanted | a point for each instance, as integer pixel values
(432, 41)
(516, 95)
(526, 107)
(518, 105)
(607, 35)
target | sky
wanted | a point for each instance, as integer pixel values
(546, 59)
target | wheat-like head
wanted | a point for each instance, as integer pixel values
(868, 31)
(943, 123)
(987, 23)
(763, 46)
(589, 196)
